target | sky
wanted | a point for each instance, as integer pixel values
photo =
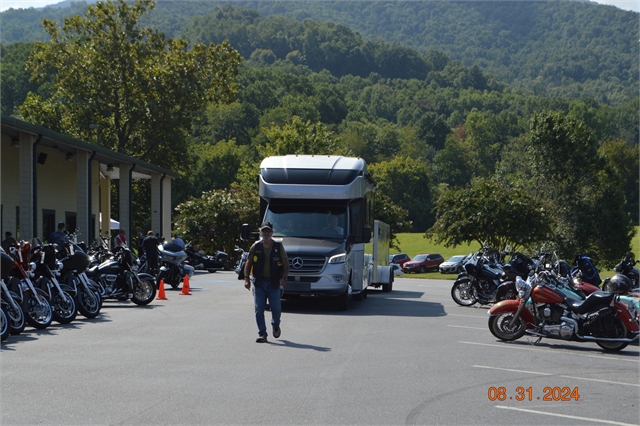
(24, 4)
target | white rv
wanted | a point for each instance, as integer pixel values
(321, 208)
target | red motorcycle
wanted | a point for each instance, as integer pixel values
(542, 310)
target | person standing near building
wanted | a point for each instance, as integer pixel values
(268, 263)
(150, 247)
(120, 240)
(139, 241)
(8, 241)
(60, 236)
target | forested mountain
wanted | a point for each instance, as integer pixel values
(554, 48)
(424, 122)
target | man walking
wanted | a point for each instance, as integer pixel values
(268, 263)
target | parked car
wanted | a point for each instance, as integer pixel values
(453, 265)
(397, 270)
(399, 258)
(423, 263)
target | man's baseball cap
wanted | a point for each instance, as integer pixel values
(61, 224)
(266, 225)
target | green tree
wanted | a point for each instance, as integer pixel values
(138, 86)
(623, 159)
(300, 137)
(580, 189)
(491, 213)
(213, 221)
(405, 181)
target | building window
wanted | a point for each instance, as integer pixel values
(70, 221)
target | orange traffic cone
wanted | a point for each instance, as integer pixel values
(161, 295)
(185, 286)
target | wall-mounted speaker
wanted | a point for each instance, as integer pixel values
(42, 157)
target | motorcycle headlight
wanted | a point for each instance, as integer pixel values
(338, 258)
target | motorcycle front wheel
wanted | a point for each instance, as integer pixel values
(462, 293)
(64, 307)
(500, 327)
(619, 331)
(5, 328)
(89, 302)
(37, 311)
(16, 319)
(144, 292)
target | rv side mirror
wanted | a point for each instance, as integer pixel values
(244, 232)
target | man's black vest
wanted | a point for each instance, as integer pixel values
(275, 262)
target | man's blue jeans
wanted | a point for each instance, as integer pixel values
(263, 290)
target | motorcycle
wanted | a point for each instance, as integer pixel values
(480, 282)
(10, 300)
(118, 280)
(626, 268)
(201, 261)
(73, 265)
(61, 296)
(35, 301)
(5, 329)
(542, 310)
(239, 269)
(173, 269)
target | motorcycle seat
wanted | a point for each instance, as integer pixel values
(598, 298)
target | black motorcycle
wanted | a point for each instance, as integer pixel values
(200, 261)
(626, 268)
(118, 280)
(61, 296)
(73, 264)
(481, 279)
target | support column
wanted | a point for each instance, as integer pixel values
(105, 206)
(125, 199)
(27, 189)
(166, 208)
(155, 202)
(82, 203)
(94, 217)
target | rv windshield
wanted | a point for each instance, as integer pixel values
(308, 221)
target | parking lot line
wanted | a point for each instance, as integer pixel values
(464, 326)
(566, 416)
(531, 348)
(557, 375)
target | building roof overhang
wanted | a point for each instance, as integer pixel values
(106, 157)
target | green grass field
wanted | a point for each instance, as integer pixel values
(414, 243)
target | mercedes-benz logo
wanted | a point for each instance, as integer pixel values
(296, 262)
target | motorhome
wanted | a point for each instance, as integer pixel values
(321, 208)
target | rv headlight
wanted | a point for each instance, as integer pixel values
(338, 258)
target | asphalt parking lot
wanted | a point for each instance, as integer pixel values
(411, 356)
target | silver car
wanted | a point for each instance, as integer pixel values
(453, 265)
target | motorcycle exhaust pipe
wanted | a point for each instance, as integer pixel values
(607, 339)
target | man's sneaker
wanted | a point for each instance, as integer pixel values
(276, 331)
(261, 339)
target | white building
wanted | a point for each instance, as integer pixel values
(48, 177)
